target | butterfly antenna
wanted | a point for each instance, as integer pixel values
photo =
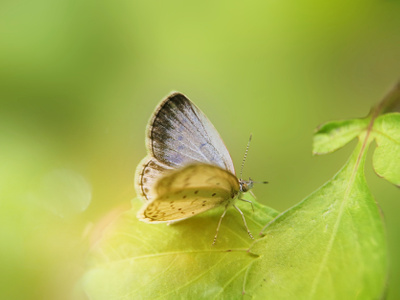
(245, 156)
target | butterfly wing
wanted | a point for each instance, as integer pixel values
(179, 134)
(148, 172)
(189, 191)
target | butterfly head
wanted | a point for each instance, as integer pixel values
(246, 185)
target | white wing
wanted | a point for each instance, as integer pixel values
(179, 134)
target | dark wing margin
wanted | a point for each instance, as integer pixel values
(148, 172)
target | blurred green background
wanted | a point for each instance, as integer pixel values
(80, 79)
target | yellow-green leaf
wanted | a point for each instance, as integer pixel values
(333, 135)
(135, 260)
(386, 158)
(330, 246)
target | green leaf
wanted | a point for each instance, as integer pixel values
(330, 246)
(135, 260)
(334, 135)
(386, 159)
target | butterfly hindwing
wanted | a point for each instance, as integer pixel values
(147, 174)
(199, 176)
(189, 191)
(175, 207)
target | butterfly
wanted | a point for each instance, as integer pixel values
(188, 169)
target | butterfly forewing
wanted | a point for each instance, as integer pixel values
(180, 134)
(190, 191)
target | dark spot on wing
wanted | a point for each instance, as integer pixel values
(184, 197)
(213, 194)
(202, 145)
(196, 192)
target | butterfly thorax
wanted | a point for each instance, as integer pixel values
(245, 185)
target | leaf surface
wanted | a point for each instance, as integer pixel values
(135, 260)
(330, 246)
(386, 159)
(333, 135)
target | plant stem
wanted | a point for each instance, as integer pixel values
(391, 102)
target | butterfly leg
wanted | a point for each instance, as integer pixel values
(244, 221)
(219, 223)
(248, 202)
